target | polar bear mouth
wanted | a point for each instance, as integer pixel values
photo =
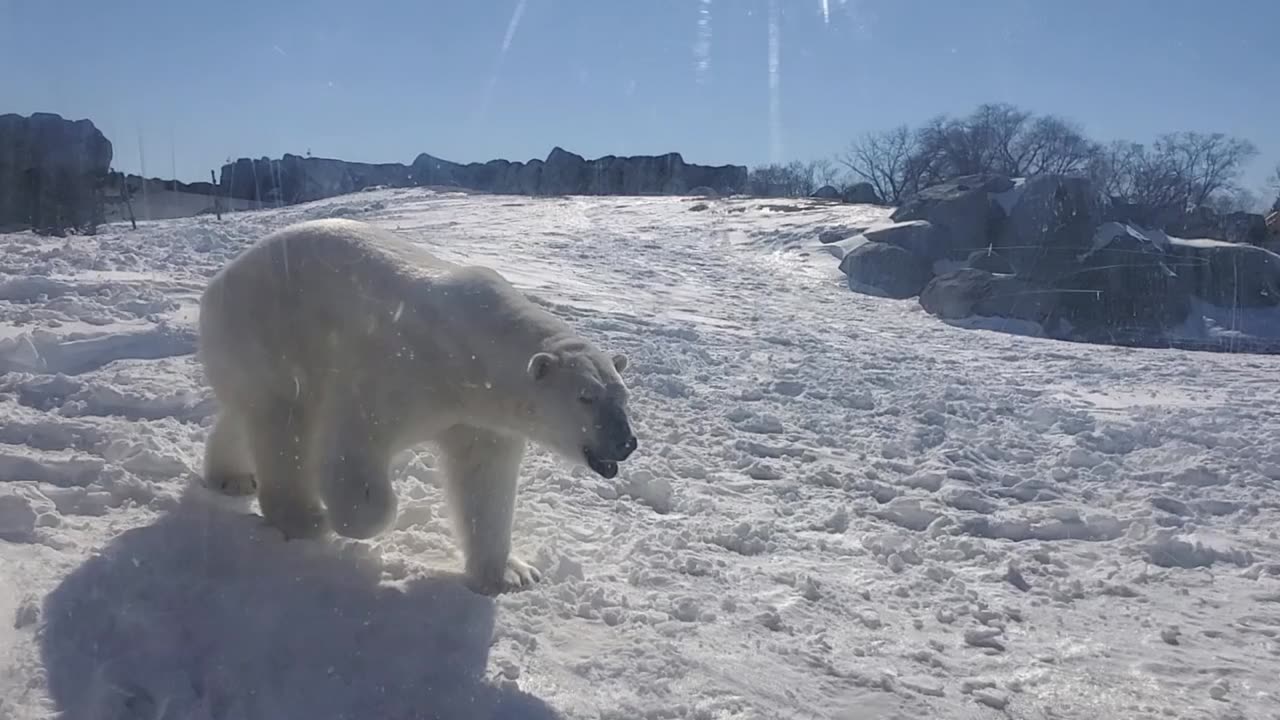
(604, 468)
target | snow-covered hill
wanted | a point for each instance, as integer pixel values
(842, 508)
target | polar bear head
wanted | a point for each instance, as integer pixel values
(580, 406)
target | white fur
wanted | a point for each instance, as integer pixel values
(332, 345)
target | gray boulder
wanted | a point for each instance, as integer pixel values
(1050, 224)
(961, 207)
(989, 260)
(1228, 274)
(1126, 287)
(1245, 227)
(885, 271)
(826, 192)
(1235, 227)
(1140, 215)
(862, 193)
(826, 237)
(968, 292)
(920, 237)
(52, 173)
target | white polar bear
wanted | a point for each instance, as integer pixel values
(332, 345)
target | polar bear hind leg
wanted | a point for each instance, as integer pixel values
(354, 477)
(278, 437)
(481, 469)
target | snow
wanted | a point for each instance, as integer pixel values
(841, 507)
(1109, 232)
(1213, 322)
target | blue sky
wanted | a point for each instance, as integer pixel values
(191, 83)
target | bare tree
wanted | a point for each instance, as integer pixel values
(1208, 164)
(994, 138)
(1235, 200)
(1275, 187)
(1178, 172)
(795, 179)
(825, 172)
(1051, 145)
(1000, 138)
(888, 160)
(988, 140)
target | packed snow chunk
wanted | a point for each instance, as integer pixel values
(31, 288)
(20, 354)
(17, 516)
(930, 480)
(922, 685)
(147, 457)
(746, 538)
(909, 513)
(1193, 550)
(648, 488)
(1020, 525)
(992, 698)
(1198, 477)
(63, 469)
(984, 638)
(23, 508)
(45, 352)
(967, 498)
(760, 424)
(1079, 457)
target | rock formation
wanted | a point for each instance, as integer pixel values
(295, 179)
(52, 173)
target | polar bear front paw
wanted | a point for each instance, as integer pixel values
(302, 521)
(520, 574)
(514, 576)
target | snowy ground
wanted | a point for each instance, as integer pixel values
(842, 508)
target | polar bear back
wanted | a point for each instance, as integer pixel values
(342, 298)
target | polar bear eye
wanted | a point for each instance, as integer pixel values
(586, 399)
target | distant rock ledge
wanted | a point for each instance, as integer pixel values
(51, 173)
(295, 179)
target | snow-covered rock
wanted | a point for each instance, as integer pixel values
(1229, 274)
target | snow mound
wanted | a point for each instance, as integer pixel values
(205, 613)
(841, 507)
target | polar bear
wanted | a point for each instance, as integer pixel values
(332, 345)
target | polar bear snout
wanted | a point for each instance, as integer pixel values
(628, 446)
(616, 446)
(616, 440)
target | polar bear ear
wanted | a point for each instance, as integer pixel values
(540, 364)
(620, 362)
